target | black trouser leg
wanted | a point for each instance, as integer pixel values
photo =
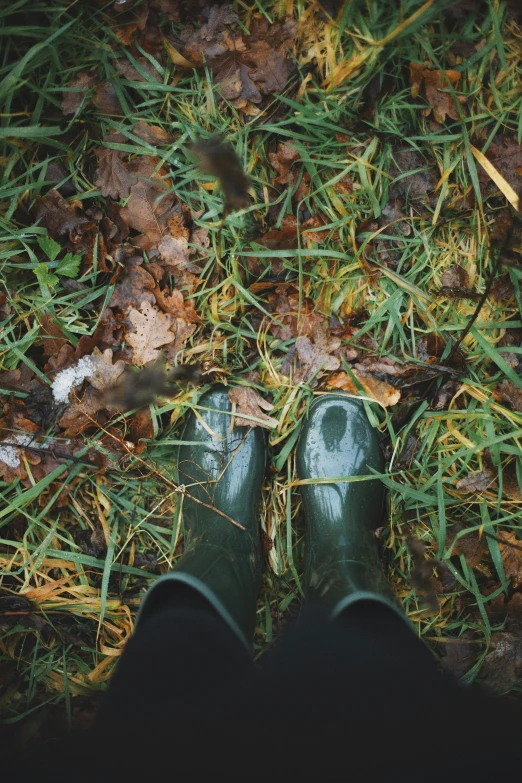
(179, 661)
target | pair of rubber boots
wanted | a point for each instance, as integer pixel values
(221, 468)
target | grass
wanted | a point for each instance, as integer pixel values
(88, 602)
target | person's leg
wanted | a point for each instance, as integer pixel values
(194, 629)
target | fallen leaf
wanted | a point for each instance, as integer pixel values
(511, 551)
(141, 428)
(502, 666)
(411, 186)
(106, 99)
(113, 176)
(502, 289)
(136, 286)
(150, 332)
(456, 275)
(471, 545)
(172, 302)
(507, 391)
(82, 413)
(476, 482)
(245, 67)
(105, 372)
(438, 94)
(294, 312)
(315, 354)
(219, 159)
(130, 72)
(152, 134)
(52, 338)
(182, 331)
(60, 217)
(151, 200)
(249, 402)
(75, 92)
(381, 391)
(16, 432)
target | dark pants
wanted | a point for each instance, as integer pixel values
(359, 698)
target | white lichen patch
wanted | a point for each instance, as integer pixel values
(68, 379)
(9, 454)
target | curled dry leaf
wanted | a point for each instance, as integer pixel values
(249, 402)
(150, 330)
(384, 393)
(171, 302)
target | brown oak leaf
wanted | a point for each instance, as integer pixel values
(503, 665)
(105, 372)
(137, 286)
(150, 330)
(171, 302)
(113, 176)
(106, 99)
(60, 217)
(152, 134)
(438, 95)
(315, 354)
(249, 402)
(75, 91)
(151, 200)
(82, 413)
(181, 331)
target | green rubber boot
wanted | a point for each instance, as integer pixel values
(222, 470)
(341, 560)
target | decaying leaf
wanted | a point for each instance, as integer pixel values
(106, 373)
(438, 94)
(503, 665)
(315, 354)
(511, 551)
(113, 176)
(82, 413)
(150, 330)
(152, 134)
(75, 92)
(476, 482)
(136, 286)
(172, 302)
(60, 217)
(507, 391)
(106, 99)
(460, 656)
(505, 153)
(471, 545)
(249, 402)
(455, 276)
(151, 200)
(245, 67)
